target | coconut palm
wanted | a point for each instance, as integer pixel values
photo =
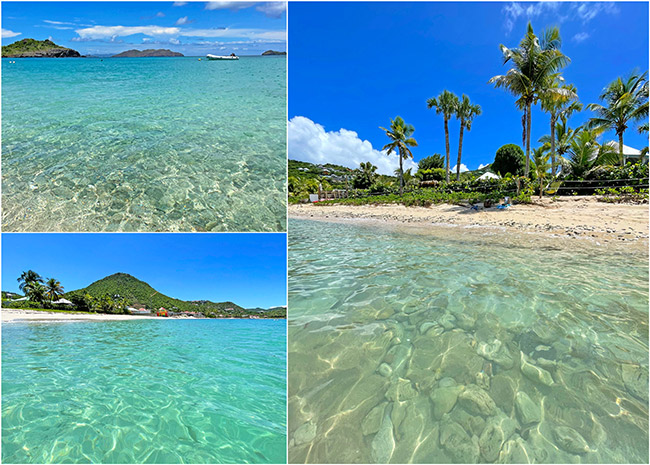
(466, 111)
(400, 133)
(585, 153)
(445, 104)
(559, 105)
(625, 101)
(535, 66)
(28, 278)
(36, 292)
(541, 157)
(54, 289)
(563, 137)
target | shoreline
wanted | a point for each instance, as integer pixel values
(14, 315)
(573, 220)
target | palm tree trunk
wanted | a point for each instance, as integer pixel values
(620, 149)
(553, 145)
(401, 175)
(460, 149)
(528, 127)
(523, 130)
(541, 187)
(447, 145)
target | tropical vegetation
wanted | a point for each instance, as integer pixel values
(400, 135)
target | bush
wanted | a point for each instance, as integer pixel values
(435, 161)
(509, 159)
(434, 174)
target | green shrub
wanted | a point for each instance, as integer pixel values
(434, 174)
(509, 159)
(435, 161)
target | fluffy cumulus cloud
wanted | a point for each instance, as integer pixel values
(308, 141)
(272, 9)
(113, 32)
(463, 168)
(6, 33)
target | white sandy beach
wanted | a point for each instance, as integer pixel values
(12, 314)
(575, 217)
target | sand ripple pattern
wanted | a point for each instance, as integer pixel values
(144, 392)
(144, 144)
(463, 349)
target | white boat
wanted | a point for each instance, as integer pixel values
(221, 57)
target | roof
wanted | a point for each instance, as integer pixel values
(488, 175)
(63, 301)
(626, 150)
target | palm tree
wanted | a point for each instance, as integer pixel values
(465, 112)
(535, 65)
(625, 101)
(29, 278)
(585, 153)
(563, 137)
(445, 104)
(540, 157)
(400, 133)
(559, 105)
(36, 292)
(365, 175)
(54, 289)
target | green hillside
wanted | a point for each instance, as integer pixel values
(140, 294)
(37, 48)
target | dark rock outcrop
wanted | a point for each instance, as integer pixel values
(273, 52)
(148, 53)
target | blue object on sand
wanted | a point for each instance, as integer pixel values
(503, 207)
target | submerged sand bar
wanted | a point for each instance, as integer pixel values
(575, 217)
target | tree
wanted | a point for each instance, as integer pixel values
(445, 104)
(365, 176)
(509, 159)
(36, 292)
(585, 153)
(54, 289)
(625, 101)
(400, 133)
(434, 161)
(559, 105)
(466, 111)
(535, 66)
(541, 157)
(563, 137)
(27, 279)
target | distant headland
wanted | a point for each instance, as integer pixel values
(161, 52)
(31, 48)
(273, 52)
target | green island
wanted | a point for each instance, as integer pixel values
(31, 48)
(121, 293)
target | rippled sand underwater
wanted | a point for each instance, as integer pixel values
(430, 349)
(144, 144)
(172, 391)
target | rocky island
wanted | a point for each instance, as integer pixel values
(148, 53)
(31, 48)
(273, 52)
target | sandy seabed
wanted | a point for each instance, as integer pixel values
(572, 217)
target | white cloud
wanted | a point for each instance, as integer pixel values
(480, 166)
(581, 37)
(179, 3)
(270, 9)
(234, 6)
(463, 168)
(273, 9)
(181, 21)
(308, 141)
(6, 33)
(160, 14)
(579, 11)
(112, 32)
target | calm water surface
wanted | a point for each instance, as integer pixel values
(194, 391)
(144, 144)
(464, 348)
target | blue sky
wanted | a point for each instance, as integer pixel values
(354, 66)
(191, 28)
(248, 269)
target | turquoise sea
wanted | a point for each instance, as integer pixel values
(464, 346)
(170, 391)
(144, 144)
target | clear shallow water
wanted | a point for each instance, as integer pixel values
(415, 348)
(144, 392)
(144, 144)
